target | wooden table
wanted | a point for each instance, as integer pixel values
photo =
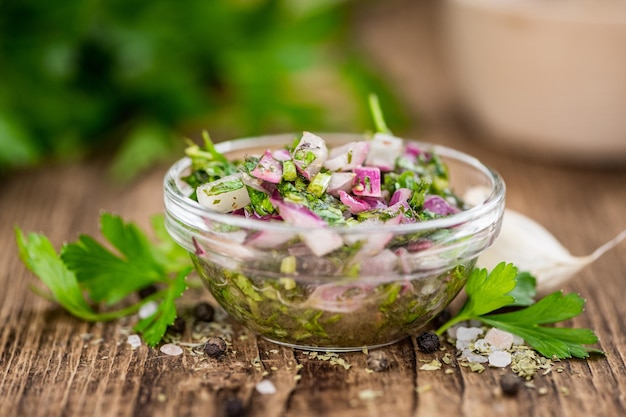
(52, 364)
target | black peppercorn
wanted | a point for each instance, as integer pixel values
(233, 407)
(377, 361)
(147, 291)
(510, 384)
(178, 326)
(215, 347)
(204, 311)
(428, 342)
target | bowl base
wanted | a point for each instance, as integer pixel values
(337, 349)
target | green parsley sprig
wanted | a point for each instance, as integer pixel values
(488, 292)
(86, 276)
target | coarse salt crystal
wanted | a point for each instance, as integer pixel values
(266, 387)
(499, 339)
(171, 349)
(482, 346)
(473, 357)
(369, 394)
(134, 341)
(500, 359)
(148, 309)
(468, 333)
(451, 332)
(462, 344)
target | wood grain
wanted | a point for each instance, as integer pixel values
(52, 364)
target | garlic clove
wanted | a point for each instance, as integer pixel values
(532, 248)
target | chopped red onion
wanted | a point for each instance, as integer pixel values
(296, 214)
(281, 154)
(400, 195)
(367, 182)
(268, 169)
(340, 181)
(269, 239)
(347, 157)
(338, 298)
(437, 205)
(322, 241)
(355, 205)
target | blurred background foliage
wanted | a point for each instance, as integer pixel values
(132, 77)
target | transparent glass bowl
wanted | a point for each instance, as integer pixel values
(345, 300)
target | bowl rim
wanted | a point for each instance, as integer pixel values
(174, 194)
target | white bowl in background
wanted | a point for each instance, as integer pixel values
(543, 77)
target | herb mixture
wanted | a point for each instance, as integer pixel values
(322, 288)
(381, 179)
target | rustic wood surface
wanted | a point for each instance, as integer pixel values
(52, 364)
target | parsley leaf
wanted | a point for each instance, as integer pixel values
(549, 341)
(165, 250)
(525, 290)
(86, 273)
(41, 258)
(504, 287)
(107, 276)
(489, 292)
(155, 326)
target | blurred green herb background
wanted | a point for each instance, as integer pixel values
(132, 77)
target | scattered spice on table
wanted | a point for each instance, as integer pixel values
(510, 384)
(134, 341)
(234, 407)
(428, 342)
(178, 326)
(147, 291)
(370, 395)
(377, 361)
(266, 387)
(171, 349)
(148, 309)
(332, 358)
(204, 311)
(433, 365)
(215, 347)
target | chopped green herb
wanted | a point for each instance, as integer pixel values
(289, 171)
(207, 163)
(304, 155)
(319, 183)
(222, 187)
(260, 202)
(377, 115)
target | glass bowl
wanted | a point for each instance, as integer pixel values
(398, 278)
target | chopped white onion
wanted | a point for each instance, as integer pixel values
(384, 151)
(226, 201)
